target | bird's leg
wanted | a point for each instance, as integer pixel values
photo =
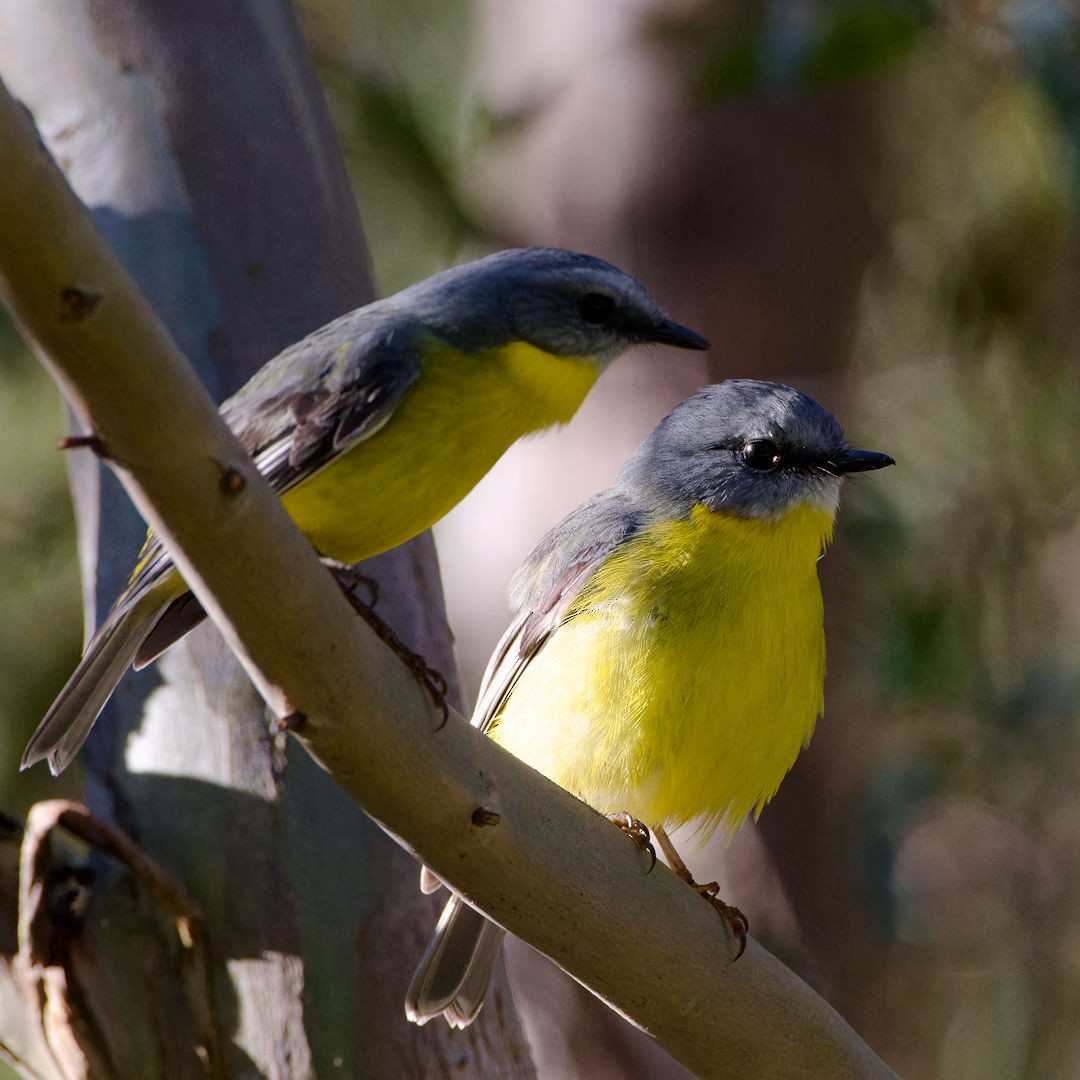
(349, 578)
(736, 920)
(431, 680)
(637, 832)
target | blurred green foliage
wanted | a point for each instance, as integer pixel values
(859, 38)
(395, 76)
(746, 48)
(967, 358)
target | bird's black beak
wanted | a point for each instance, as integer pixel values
(850, 460)
(663, 331)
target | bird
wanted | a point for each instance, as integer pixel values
(373, 427)
(666, 659)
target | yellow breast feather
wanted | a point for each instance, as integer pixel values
(401, 484)
(613, 717)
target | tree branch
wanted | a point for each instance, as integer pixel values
(540, 862)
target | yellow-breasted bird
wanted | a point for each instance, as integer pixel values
(373, 427)
(667, 658)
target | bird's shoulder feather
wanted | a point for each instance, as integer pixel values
(323, 395)
(546, 586)
(310, 403)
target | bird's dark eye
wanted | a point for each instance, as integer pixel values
(596, 308)
(761, 454)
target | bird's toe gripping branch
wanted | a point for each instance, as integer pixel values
(737, 922)
(434, 682)
(638, 832)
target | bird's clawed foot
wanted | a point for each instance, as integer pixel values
(737, 922)
(637, 832)
(350, 579)
(432, 681)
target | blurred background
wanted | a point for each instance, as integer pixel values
(874, 201)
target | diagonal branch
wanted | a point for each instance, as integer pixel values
(541, 863)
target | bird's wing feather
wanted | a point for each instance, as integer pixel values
(108, 654)
(343, 383)
(546, 587)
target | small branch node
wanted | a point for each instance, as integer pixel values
(294, 721)
(482, 816)
(230, 479)
(78, 302)
(83, 442)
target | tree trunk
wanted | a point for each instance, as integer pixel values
(197, 137)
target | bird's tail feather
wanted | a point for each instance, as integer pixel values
(108, 656)
(454, 973)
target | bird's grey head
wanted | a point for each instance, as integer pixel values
(756, 449)
(560, 301)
